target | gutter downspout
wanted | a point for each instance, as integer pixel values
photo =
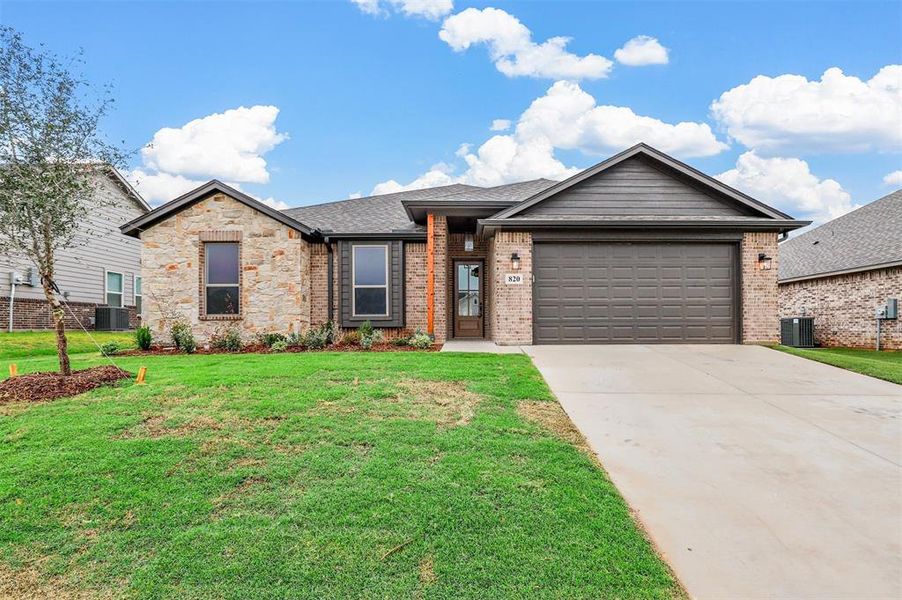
(329, 276)
(12, 297)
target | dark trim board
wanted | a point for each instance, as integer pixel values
(736, 287)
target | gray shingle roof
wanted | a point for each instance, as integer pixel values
(385, 213)
(860, 240)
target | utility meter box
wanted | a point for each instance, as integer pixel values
(892, 309)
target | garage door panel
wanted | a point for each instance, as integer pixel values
(635, 293)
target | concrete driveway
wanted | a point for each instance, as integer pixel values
(757, 474)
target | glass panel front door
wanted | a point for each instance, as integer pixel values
(468, 299)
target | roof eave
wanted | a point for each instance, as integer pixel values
(418, 209)
(489, 226)
(134, 227)
(836, 273)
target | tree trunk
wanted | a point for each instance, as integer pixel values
(59, 325)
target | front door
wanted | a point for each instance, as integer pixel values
(468, 277)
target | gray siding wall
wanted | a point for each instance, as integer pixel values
(395, 288)
(99, 246)
(635, 188)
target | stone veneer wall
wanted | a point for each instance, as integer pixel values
(275, 270)
(415, 286)
(760, 307)
(512, 304)
(843, 307)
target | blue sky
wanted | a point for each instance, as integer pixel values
(376, 100)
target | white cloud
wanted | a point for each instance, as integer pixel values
(354, 195)
(228, 145)
(839, 113)
(894, 178)
(512, 49)
(439, 174)
(500, 125)
(789, 184)
(642, 50)
(273, 203)
(428, 9)
(157, 188)
(567, 118)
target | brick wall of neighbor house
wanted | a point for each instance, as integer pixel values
(456, 251)
(441, 278)
(512, 304)
(415, 286)
(30, 313)
(275, 268)
(843, 307)
(760, 308)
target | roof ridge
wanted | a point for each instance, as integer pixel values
(438, 187)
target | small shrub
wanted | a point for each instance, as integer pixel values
(294, 339)
(270, 338)
(316, 339)
(110, 348)
(375, 336)
(365, 330)
(331, 332)
(401, 341)
(351, 338)
(279, 346)
(421, 340)
(182, 337)
(143, 338)
(226, 338)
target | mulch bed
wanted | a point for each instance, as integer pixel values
(36, 387)
(261, 349)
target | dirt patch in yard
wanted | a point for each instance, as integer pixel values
(427, 571)
(154, 427)
(29, 584)
(446, 403)
(37, 387)
(551, 417)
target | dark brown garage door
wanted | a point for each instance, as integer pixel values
(640, 293)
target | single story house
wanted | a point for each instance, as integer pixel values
(640, 248)
(101, 268)
(840, 272)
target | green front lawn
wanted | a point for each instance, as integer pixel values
(883, 365)
(43, 343)
(330, 475)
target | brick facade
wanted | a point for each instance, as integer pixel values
(275, 269)
(843, 307)
(319, 291)
(512, 304)
(760, 307)
(415, 286)
(30, 313)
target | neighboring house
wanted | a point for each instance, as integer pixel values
(103, 267)
(840, 272)
(638, 249)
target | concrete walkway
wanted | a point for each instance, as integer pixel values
(757, 474)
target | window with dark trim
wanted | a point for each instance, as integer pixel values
(222, 272)
(138, 294)
(369, 281)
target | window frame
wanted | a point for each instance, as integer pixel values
(106, 288)
(386, 251)
(204, 285)
(135, 295)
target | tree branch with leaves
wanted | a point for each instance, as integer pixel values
(51, 151)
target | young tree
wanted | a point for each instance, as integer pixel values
(50, 151)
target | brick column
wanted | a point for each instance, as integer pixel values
(760, 307)
(511, 312)
(440, 256)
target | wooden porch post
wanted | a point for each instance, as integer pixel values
(430, 274)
